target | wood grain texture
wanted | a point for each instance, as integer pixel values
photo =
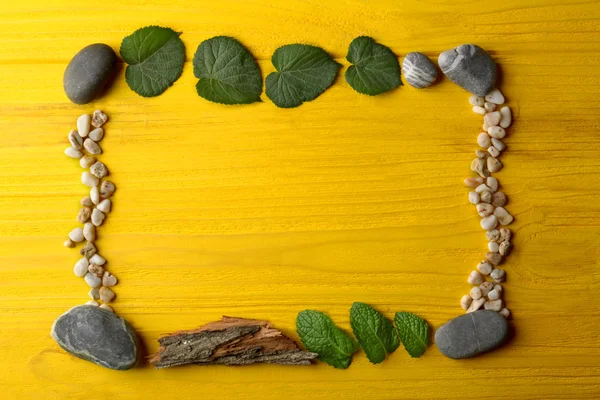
(259, 212)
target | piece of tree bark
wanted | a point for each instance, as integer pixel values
(231, 341)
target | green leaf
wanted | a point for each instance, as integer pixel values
(320, 335)
(155, 56)
(304, 72)
(374, 332)
(227, 71)
(376, 68)
(414, 333)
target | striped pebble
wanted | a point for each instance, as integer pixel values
(418, 70)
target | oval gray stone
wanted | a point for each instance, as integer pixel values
(97, 335)
(472, 334)
(418, 70)
(89, 72)
(470, 67)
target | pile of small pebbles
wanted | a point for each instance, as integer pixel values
(489, 202)
(94, 208)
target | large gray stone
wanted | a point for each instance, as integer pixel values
(97, 335)
(418, 70)
(89, 72)
(470, 67)
(472, 334)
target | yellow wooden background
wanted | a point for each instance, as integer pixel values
(260, 212)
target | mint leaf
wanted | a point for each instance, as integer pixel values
(155, 56)
(227, 71)
(374, 332)
(414, 333)
(320, 335)
(304, 72)
(376, 68)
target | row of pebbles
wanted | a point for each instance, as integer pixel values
(94, 208)
(489, 200)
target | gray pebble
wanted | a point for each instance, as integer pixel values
(470, 67)
(418, 70)
(472, 334)
(89, 72)
(97, 335)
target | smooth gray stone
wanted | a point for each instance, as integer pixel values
(418, 70)
(472, 334)
(97, 335)
(89, 72)
(470, 67)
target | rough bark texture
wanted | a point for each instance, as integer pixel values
(231, 341)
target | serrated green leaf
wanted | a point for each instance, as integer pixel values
(320, 335)
(376, 69)
(414, 333)
(155, 56)
(227, 71)
(303, 73)
(374, 332)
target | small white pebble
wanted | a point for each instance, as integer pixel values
(493, 295)
(492, 183)
(506, 118)
(492, 118)
(483, 140)
(493, 151)
(476, 100)
(97, 217)
(505, 235)
(485, 126)
(104, 206)
(498, 144)
(69, 243)
(465, 302)
(473, 182)
(73, 153)
(495, 97)
(494, 305)
(489, 106)
(81, 267)
(107, 189)
(475, 305)
(86, 161)
(99, 118)
(496, 132)
(498, 275)
(493, 247)
(486, 197)
(97, 259)
(493, 258)
(109, 280)
(97, 134)
(489, 222)
(106, 295)
(75, 140)
(476, 293)
(505, 313)
(92, 280)
(498, 287)
(503, 216)
(473, 197)
(475, 278)
(482, 188)
(89, 232)
(504, 248)
(481, 153)
(486, 287)
(95, 195)
(92, 303)
(92, 147)
(493, 164)
(479, 110)
(107, 307)
(94, 293)
(83, 125)
(493, 235)
(76, 235)
(89, 180)
(484, 268)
